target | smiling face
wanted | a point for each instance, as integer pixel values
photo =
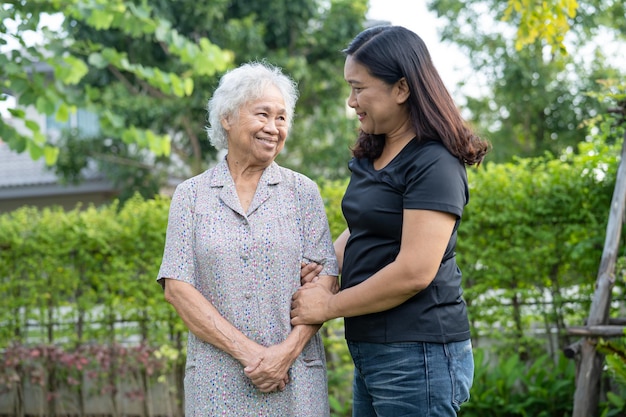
(258, 132)
(379, 106)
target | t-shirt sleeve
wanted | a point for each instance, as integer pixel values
(438, 181)
(317, 241)
(178, 256)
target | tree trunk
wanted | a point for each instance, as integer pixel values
(586, 397)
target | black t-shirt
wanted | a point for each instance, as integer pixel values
(422, 176)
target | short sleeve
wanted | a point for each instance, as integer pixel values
(178, 256)
(317, 241)
(437, 181)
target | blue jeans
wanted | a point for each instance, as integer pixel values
(411, 379)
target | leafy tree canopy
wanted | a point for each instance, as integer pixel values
(147, 69)
(57, 87)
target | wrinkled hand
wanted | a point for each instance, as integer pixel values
(310, 304)
(309, 272)
(270, 371)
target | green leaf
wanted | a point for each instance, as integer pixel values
(39, 139)
(45, 105)
(78, 69)
(50, 154)
(177, 85)
(63, 113)
(35, 151)
(188, 86)
(97, 60)
(100, 19)
(32, 125)
(19, 113)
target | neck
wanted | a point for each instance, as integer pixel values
(401, 135)
(394, 142)
(243, 170)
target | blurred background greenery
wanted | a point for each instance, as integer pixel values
(81, 315)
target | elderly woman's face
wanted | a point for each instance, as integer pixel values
(258, 133)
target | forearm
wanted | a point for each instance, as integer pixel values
(382, 291)
(302, 333)
(298, 338)
(424, 232)
(204, 321)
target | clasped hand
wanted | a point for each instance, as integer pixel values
(268, 367)
(268, 370)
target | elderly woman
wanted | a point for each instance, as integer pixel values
(236, 238)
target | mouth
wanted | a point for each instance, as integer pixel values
(268, 141)
(360, 116)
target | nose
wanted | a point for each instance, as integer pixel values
(352, 99)
(270, 126)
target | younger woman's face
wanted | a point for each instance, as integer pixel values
(378, 105)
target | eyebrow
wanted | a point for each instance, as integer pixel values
(268, 109)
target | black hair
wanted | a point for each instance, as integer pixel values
(391, 53)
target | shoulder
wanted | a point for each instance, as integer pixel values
(193, 182)
(433, 156)
(437, 151)
(189, 187)
(297, 180)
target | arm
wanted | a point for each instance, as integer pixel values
(203, 320)
(340, 247)
(310, 270)
(425, 236)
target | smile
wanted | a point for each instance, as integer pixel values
(268, 141)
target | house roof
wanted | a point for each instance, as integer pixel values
(21, 176)
(19, 169)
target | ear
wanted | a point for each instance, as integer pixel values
(226, 123)
(402, 91)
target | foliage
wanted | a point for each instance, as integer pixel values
(340, 369)
(546, 19)
(64, 271)
(147, 69)
(510, 387)
(530, 252)
(121, 163)
(332, 193)
(531, 241)
(108, 371)
(70, 60)
(532, 100)
(615, 355)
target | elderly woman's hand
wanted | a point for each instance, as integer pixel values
(270, 370)
(309, 272)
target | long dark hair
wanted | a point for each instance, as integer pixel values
(392, 52)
